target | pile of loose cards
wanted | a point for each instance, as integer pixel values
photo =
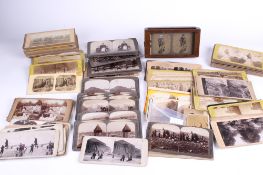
(108, 121)
(50, 43)
(38, 128)
(174, 128)
(233, 58)
(113, 58)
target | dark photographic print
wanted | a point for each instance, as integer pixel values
(96, 86)
(116, 68)
(28, 144)
(65, 67)
(100, 61)
(65, 83)
(122, 128)
(241, 132)
(119, 151)
(43, 84)
(180, 140)
(221, 87)
(41, 109)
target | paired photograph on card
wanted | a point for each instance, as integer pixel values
(176, 140)
(109, 128)
(42, 109)
(237, 124)
(117, 151)
(172, 42)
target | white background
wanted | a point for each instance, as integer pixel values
(237, 23)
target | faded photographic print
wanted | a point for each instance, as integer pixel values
(121, 128)
(94, 106)
(184, 86)
(65, 83)
(96, 86)
(43, 84)
(240, 56)
(93, 116)
(161, 43)
(122, 105)
(122, 86)
(66, 67)
(180, 140)
(127, 115)
(28, 144)
(90, 128)
(182, 43)
(105, 150)
(43, 39)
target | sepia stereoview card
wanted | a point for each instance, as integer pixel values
(224, 87)
(171, 140)
(120, 87)
(113, 57)
(237, 124)
(42, 109)
(114, 151)
(54, 83)
(110, 128)
(233, 58)
(118, 47)
(174, 42)
(201, 102)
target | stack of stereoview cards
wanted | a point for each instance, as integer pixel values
(233, 58)
(237, 124)
(50, 43)
(38, 128)
(216, 87)
(113, 58)
(109, 107)
(56, 73)
(174, 129)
